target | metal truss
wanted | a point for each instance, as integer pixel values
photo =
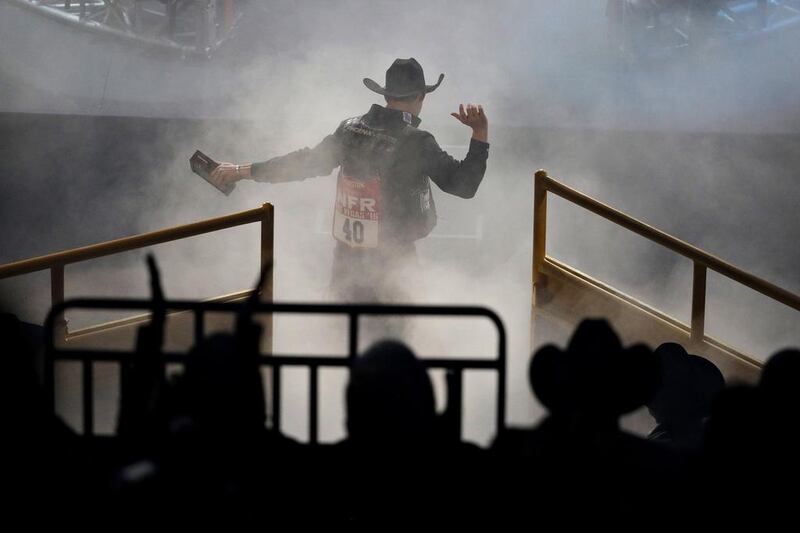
(646, 28)
(193, 27)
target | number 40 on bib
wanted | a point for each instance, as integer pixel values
(357, 214)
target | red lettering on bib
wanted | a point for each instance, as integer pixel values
(357, 215)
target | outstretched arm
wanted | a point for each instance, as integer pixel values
(297, 165)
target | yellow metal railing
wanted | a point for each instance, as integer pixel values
(57, 261)
(702, 260)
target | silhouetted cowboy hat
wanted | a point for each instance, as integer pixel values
(689, 383)
(595, 373)
(403, 79)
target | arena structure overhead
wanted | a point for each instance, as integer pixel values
(186, 27)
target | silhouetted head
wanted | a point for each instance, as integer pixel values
(780, 378)
(18, 381)
(223, 387)
(689, 384)
(735, 431)
(780, 389)
(389, 396)
(595, 376)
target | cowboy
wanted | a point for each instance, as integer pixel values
(383, 200)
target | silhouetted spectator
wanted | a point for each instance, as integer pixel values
(390, 398)
(218, 455)
(780, 379)
(223, 389)
(735, 449)
(757, 423)
(395, 466)
(752, 443)
(577, 465)
(43, 463)
(682, 404)
(780, 390)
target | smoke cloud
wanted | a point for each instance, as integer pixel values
(704, 147)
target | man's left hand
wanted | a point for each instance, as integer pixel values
(474, 117)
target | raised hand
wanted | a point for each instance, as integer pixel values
(474, 117)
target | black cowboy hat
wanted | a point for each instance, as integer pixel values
(689, 383)
(595, 373)
(403, 79)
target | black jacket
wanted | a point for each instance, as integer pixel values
(405, 157)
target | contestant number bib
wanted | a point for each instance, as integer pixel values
(357, 217)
